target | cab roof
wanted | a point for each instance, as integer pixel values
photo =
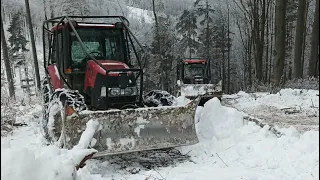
(195, 61)
(93, 25)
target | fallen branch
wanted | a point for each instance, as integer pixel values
(221, 159)
(261, 124)
(19, 124)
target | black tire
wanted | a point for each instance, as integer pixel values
(157, 98)
(54, 131)
(45, 100)
(55, 108)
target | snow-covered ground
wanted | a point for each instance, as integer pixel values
(289, 107)
(229, 148)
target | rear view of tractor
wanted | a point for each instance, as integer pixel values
(194, 80)
(93, 72)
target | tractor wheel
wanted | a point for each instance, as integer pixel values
(157, 98)
(45, 100)
(55, 115)
(56, 124)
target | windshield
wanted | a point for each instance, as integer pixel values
(101, 43)
(192, 70)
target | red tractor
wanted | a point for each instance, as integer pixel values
(194, 79)
(92, 74)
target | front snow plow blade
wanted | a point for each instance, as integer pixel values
(206, 91)
(130, 130)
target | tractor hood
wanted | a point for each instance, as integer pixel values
(108, 64)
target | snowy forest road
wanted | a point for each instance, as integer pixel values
(300, 110)
(229, 148)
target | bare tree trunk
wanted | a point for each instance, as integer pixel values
(261, 36)
(33, 46)
(7, 62)
(304, 38)
(300, 30)
(280, 40)
(20, 75)
(314, 43)
(250, 44)
(159, 47)
(228, 52)
(267, 21)
(271, 44)
(223, 70)
(26, 78)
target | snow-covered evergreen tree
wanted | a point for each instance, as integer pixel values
(17, 40)
(187, 29)
(205, 12)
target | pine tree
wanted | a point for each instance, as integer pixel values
(17, 40)
(166, 52)
(6, 63)
(186, 27)
(204, 12)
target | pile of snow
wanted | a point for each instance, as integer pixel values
(26, 156)
(229, 144)
(218, 121)
(49, 163)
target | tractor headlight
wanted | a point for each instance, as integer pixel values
(103, 91)
(114, 92)
(129, 91)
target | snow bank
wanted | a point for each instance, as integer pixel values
(26, 160)
(283, 99)
(48, 163)
(235, 149)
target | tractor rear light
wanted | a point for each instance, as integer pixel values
(103, 91)
(68, 71)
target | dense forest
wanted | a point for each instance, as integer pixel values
(249, 43)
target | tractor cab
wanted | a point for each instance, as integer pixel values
(104, 42)
(193, 71)
(94, 59)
